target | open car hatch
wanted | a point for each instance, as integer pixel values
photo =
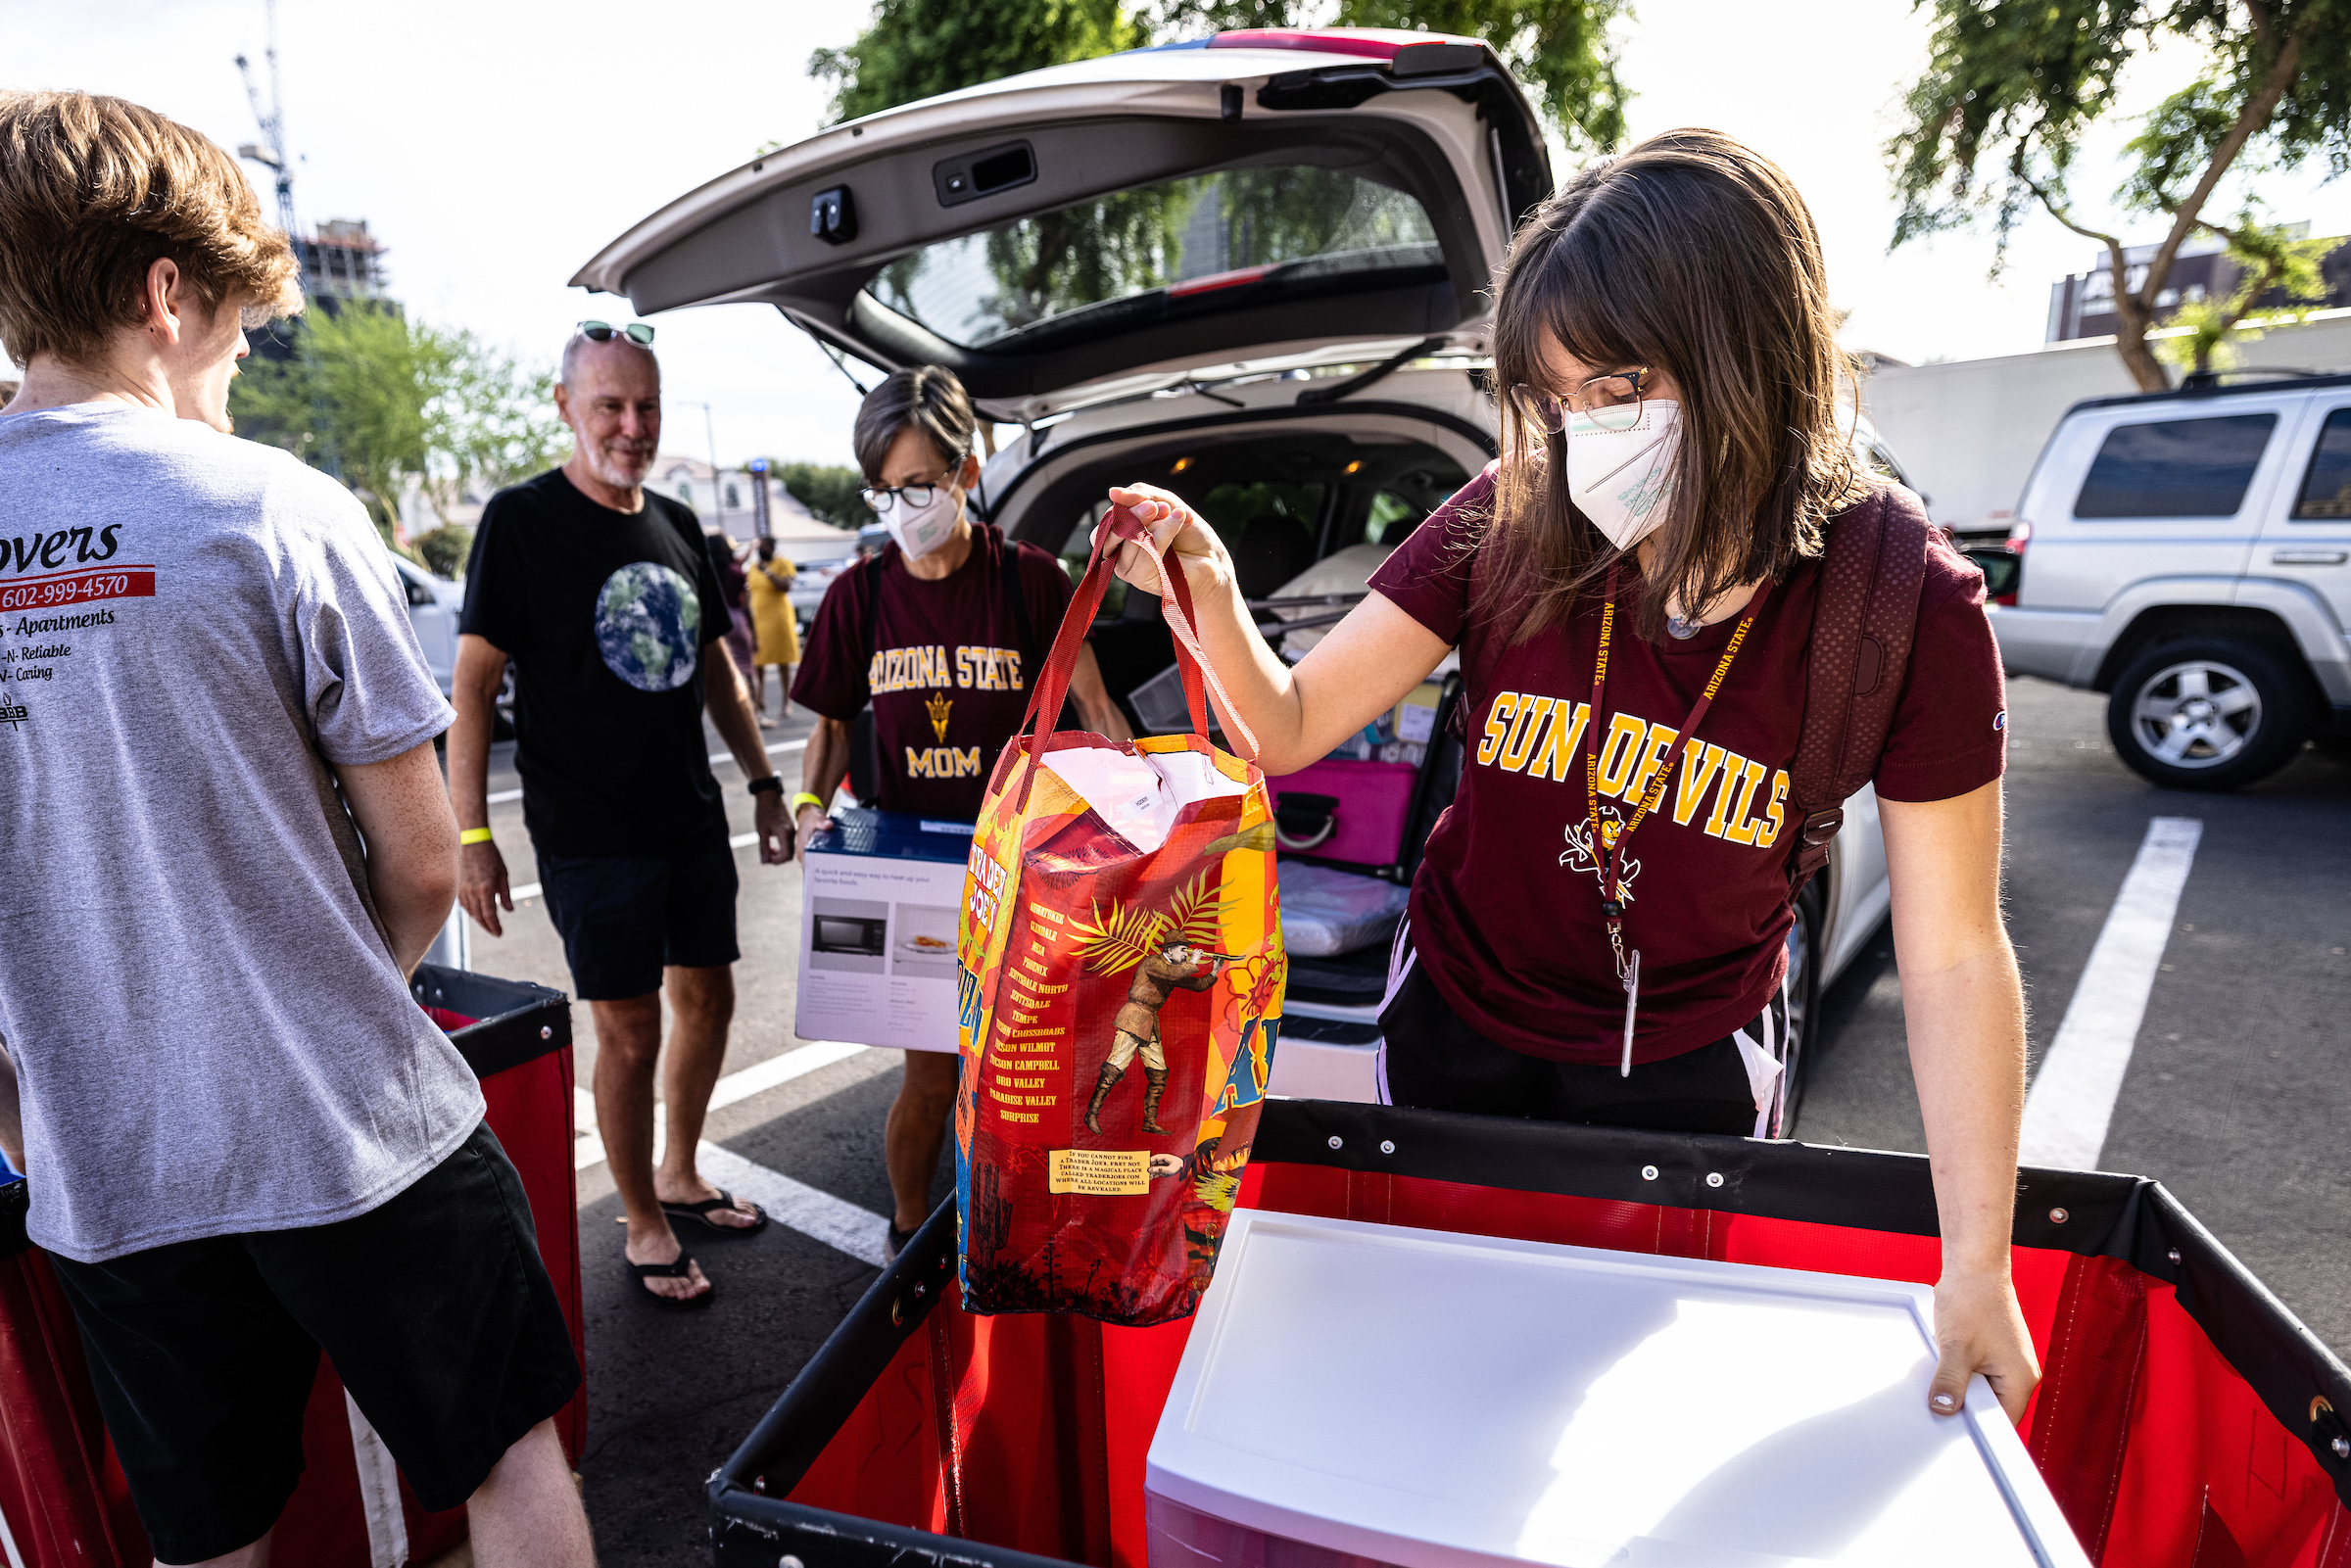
(1267, 195)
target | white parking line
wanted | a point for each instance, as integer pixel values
(7, 1545)
(835, 1221)
(2072, 1100)
(758, 1078)
(810, 1210)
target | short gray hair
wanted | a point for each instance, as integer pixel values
(581, 340)
(926, 398)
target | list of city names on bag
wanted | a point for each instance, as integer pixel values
(1029, 1049)
(1099, 1172)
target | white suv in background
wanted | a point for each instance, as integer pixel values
(2189, 554)
(434, 605)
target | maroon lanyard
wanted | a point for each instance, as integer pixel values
(1607, 850)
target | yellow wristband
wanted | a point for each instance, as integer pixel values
(805, 798)
(474, 835)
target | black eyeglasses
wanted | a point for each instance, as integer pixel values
(1611, 402)
(882, 501)
(637, 332)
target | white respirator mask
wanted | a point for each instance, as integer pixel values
(920, 530)
(1620, 478)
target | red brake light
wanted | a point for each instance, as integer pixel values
(2019, 535)
(1221, 281)
(1376, 43)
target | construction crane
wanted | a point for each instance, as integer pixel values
(270, 152)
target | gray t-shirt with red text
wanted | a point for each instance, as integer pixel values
(210, 1033)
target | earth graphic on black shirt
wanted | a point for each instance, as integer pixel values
(647, 617)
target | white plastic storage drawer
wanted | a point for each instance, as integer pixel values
(1417, 1397)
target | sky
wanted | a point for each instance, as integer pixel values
(494, 145)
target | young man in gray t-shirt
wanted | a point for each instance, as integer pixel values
(244, 1141)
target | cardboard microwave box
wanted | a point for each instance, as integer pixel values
(878, 915)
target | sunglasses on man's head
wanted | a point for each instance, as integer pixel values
(637, 332)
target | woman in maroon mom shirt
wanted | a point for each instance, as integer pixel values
(1597, 933)
(942, 632)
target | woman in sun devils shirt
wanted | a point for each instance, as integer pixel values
(1597, 931)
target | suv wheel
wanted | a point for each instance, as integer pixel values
(1804, 998)
(2208, 713)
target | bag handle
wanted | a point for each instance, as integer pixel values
(1052, 685)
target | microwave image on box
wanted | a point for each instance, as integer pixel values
(849, 933)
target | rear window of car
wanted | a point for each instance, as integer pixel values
(2326, 488)
(2176, 468)
(1204, 234)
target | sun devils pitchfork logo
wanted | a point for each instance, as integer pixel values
(1578, 855)
(938, 706)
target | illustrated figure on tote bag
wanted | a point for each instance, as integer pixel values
(1135, 1032)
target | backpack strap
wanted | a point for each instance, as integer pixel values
(870, 567)
(1008, 563)
(1863, 624)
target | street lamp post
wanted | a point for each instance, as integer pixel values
(718, 498)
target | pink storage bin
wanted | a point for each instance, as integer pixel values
(1366, 828)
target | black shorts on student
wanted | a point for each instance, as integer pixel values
(1431, 1060)
(434, 1306)
(625, 917)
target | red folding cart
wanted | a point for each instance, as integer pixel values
(2185, 1419)
(63, 1502)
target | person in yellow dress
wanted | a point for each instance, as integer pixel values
(775, 624)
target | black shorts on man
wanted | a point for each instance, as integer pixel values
(434, 1306)
(624, 917)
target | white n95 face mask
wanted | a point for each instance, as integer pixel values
(1620, 478)
(920, 531)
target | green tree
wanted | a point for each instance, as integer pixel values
(1560, 48)
(363, 376)
(828, 490)
(445, 550)
(920, 48)
(400, 402)
(490, 422)
(2267, 258)
(1995, 126)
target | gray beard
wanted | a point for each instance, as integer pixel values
(606, 472)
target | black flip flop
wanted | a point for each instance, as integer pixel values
(639, 1273)
(704, 1210)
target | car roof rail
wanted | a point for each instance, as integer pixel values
(2210, 380)
(2210, 384)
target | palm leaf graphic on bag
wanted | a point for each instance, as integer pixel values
(1117, 943)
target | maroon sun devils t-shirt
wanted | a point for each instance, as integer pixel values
(947, 676)
(1505, 906)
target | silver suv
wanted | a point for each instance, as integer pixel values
(2189, 552)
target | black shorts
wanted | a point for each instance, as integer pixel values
(1431, 1060)
(435, 1307)
(625, 917)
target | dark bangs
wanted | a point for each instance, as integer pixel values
(1695, 257)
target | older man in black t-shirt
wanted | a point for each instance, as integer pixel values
(607, 602)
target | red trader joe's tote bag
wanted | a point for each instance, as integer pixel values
(1120, 984)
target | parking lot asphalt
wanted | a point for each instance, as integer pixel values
(2234, 1095)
